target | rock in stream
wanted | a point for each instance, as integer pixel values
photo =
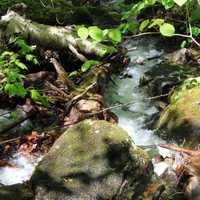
(92, 160)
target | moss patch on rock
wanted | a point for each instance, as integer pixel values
(91, 160)
(181, 119)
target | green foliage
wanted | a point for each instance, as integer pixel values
(88, 64)
(96, 33)
(36, 96)
(99, 35)
(83, 33)
(12, 67)
(115, 35)
(167, 29)
(186, 10)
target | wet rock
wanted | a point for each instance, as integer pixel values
(92, 160)
(162, 78)
(13, 123)
(181, 118)
(16, 192)
(178, 57)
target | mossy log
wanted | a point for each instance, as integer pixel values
(54, 37)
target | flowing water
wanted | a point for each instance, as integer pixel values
(23, 167)
(135, 117)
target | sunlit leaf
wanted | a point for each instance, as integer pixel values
(96, 33)
(156, 22)
(115, 35)
(144, 24)
(83, 33)
(167, 29)
(88, 64)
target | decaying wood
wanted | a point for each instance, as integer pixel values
(38, 76)
(53, 87)
(62, 74)
(50, 36)
(180, 149)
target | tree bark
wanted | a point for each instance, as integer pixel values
(54, 37)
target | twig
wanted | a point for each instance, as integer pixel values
(141, 34)
(56, 89)
(132, 49)
(10, 140)
(125, 104)
(77, 54)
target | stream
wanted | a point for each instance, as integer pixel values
(134, 118)
(125, 88)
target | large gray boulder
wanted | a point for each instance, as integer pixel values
(92, 160)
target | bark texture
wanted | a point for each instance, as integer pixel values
(54, 37)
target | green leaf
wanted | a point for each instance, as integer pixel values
(167, 29)
(133, 26)
(35, 96)
(15, 89)
(29, 57)
(156, 22)
(20, 64)
(115, 35)
(88, 64)
(73, 74)
(105, 32)
(83, 33)
(167, 4)
(183, 44)
(96, 33)
(195, 31)
(144, 24)
(180, 2)
(35, 61)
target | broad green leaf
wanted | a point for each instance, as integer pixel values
(180, 2)
(83, 33)
(96, 33)
(144, 24)
(88, 64)
(115, 35)
(167, 29)
(167, 4)
(156, 22)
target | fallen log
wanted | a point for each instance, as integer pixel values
(55, 37)
(180, 149)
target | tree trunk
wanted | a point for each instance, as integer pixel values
(53, 37)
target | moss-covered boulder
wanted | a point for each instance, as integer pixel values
(181, 119)
(92, 160)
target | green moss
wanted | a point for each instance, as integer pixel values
(92, 152)
(181, 117)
